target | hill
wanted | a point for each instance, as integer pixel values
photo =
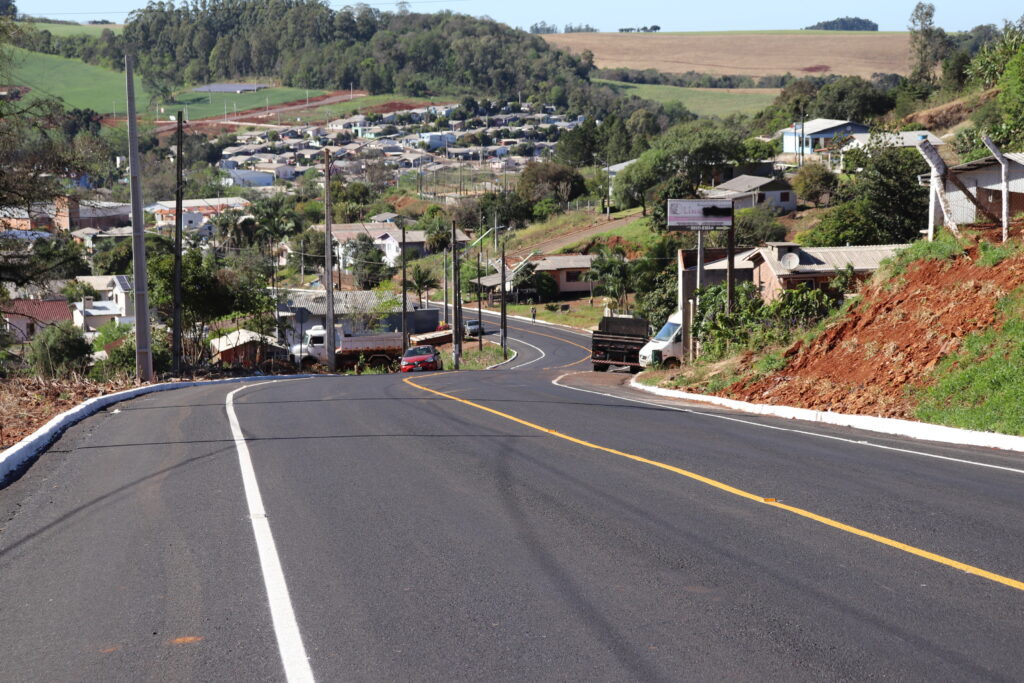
(80, 85)
(701, 101)
(937, 336)
(801, 53)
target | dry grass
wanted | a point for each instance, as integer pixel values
(857, 53)
(26, 404)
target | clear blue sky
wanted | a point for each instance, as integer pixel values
(609, 15)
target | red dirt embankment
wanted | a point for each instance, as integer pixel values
(891, 339)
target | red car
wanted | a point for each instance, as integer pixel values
(424, 357)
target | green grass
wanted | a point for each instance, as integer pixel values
(553, 227)
(701, 101)
(79, 84)
(779, 32)
(583, 317)
(636, 235)
(994, 254)
(945, 247)
(62, 30)
(981, 386)
(203, 105)
(342, 109)
(473, 358)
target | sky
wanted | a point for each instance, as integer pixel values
(610, 15)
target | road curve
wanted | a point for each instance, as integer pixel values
(496, 525)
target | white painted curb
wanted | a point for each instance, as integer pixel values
(882, 425)
(498, 365)
(33, 444)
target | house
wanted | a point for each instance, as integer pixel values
(983, 179)
(568, 271)
(281, 171)
(123, 294)
(787, 265)
(356, 312)
(243, 178)
(24, 318)
(907, 138)
(437, 140)
(747, 191)
(386, 236)
(817, 134)
(385, 217)
(90, 314)
(246, 348)
(204, 209)
(103, 284)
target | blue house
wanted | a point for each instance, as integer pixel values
(817, 134)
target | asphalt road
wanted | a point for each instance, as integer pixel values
(498, 526)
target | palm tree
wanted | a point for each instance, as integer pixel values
(420, 280)
(613, 273)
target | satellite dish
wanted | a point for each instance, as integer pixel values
(790, 261)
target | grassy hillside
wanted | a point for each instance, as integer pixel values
(85, 86)
(79, 84)
(73, 29)
(701, 101)
(752, 53)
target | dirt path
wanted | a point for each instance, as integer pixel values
(549, 245)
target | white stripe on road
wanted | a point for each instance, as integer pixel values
(859, 442)
(286, 628)
(536, 348)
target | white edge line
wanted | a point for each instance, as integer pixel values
(35, 443)
(286, 628)
(961, 461)
(542, 354)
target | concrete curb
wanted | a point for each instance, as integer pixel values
(882, 425)
(35, 443)
(498, 365)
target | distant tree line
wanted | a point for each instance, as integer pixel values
(542, 27)
(654, 28)
(692, 79)
(844, 24)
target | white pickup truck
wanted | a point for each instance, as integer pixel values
(666, 348)
(372, 349)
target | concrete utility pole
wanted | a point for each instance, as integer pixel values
(504, 315)
(143, 352)
(405, 324)
(445, 252)
(456, 303)
(179, 195)
(1004, 183)
(479, 304)
(329, 267)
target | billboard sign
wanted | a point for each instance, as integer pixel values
(699, 214)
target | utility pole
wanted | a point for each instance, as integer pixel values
(504, 316)
(456, 303)
(405, 325)
(143, 352)
(179, 195)
(445, 252)
(730, 287)
(479, 304)
(329, 341)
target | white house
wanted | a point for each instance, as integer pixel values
(817, 134)
(747, 191)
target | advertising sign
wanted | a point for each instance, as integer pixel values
(699, 214)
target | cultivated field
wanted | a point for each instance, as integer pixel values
(856, 53)
(701, 101)
(72, 29)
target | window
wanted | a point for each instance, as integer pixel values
(30, 329)
(573, 275)
(760, 197)
(783, 196)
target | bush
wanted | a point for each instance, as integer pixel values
(813, 181)
(59, 351)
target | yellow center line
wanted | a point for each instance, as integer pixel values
(939, 559)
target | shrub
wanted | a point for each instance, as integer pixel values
(59, 351)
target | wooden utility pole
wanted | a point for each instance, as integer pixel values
(179, 195)
(143, 352)
(329, 342)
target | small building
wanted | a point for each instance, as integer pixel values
(90, 314)
(747, 191)
(246, 348)
(243, 178)
(983, 179)
(24, 318)
(568, 271)
(817, 134)
(787, 265)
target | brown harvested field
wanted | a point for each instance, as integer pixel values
(854, 53)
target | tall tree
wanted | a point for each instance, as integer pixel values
(366, 261)
(927, 43)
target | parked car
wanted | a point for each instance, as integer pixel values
(425, 357)
(474, 328)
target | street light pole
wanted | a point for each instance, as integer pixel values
(405, 327)
(504, 315)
